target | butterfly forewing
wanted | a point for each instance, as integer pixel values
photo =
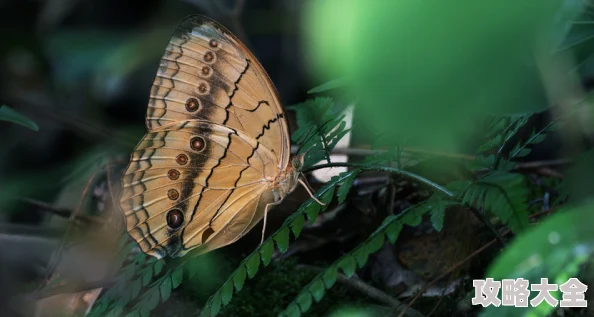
(217, 135)
(207, 73)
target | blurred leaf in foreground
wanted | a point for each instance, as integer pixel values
(580, 178)
(426, 69)
(554, 250)
(10, 115)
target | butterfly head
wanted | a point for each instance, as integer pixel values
(297, 162)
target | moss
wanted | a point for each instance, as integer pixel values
(273, 288)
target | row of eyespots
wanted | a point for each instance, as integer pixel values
(192, 104)
(175, 217)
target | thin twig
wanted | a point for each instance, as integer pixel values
(463, 261)
(441, 296)
(385, 169)
(366, 289)
(65, 213)
(70, 289)
(55, 258)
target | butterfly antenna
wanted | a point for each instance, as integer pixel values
(317, 132)
(304, 184)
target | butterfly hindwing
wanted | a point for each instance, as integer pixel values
(206, 172)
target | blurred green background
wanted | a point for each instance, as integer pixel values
(421, 74)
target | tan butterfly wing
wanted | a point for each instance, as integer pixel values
(217, 137)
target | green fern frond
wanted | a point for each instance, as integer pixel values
(502, 194)
(320, 128)
(330, 85)
(521, 149)
(249, 266)
(437, 204)
(357, 258)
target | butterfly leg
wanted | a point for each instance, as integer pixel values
(309, 192)
(266, 216)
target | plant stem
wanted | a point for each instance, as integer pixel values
(365, 167)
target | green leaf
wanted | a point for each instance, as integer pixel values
(177, 276)
(361, 255)
(215, 305)
(333, 84)
(317, 290)
(413, 219)
(312, 211)
(348, 265)
(304, 301)
(227, 292)
(437, 214)
(553, 249)
(165, 289)
(292, 311)
(345, 187)
(297, 225)
(239, 278)
(376, 243)
(10, 115)
(503, 194)
(392, 231)
(329, 276)
(146, 277)
(252, 265)
(158, 266)
(152, 300)
(116, 311)
(282, 239)
(135, 289)
(326, 197)
(266, 251)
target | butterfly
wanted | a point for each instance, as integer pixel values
(216, 157)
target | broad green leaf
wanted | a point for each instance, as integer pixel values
(553, 249)
(10, 115)
(497, 38)
(252, 265)
(266, 251)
